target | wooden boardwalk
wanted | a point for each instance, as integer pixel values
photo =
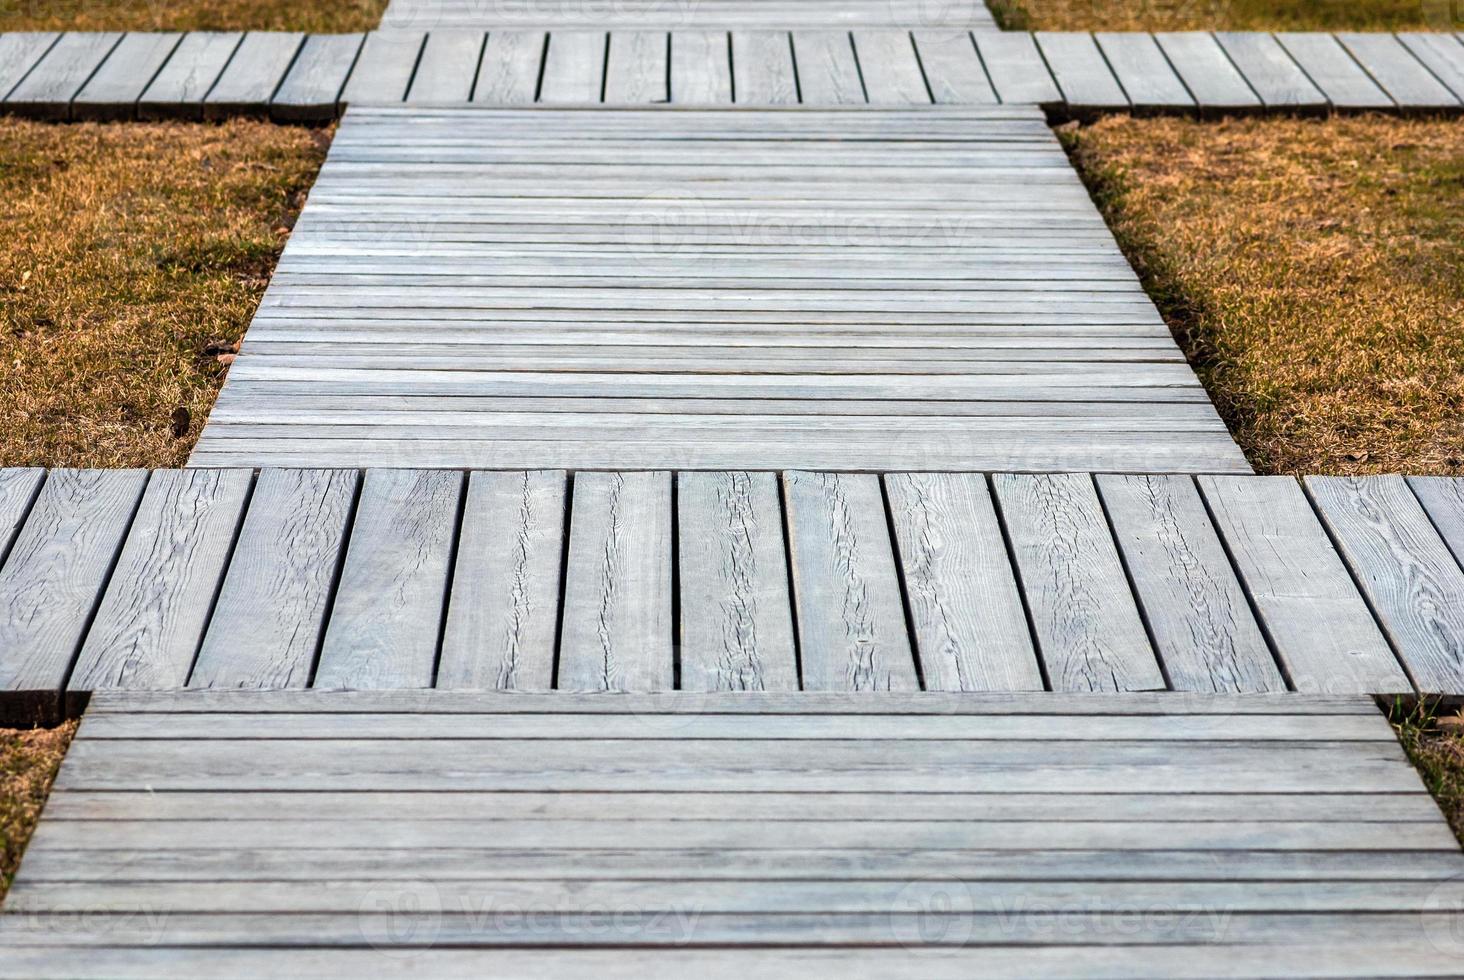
(650, 581)
(212, 834)
(294, 78)
(667, 15)
(868, 289)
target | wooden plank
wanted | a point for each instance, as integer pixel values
(574, 68)
(112, 92)
(1088, 629)
(157, 603)
(312, 89)
(762, 68)
(953, 68)
(45, 92)
(19, 53)
(1270, 70)
(196, 63)
(18, 489)
(637, 67)
(1015, 66)
(890, 68)
(851, 621)
(509, 71)
(1078, 66)
(447, 68)
(53, 579)
(387, 618)
(1443, 498)
(270, 615)
(966, 612)
(503, 614)
(1207, 71)
(701, 68)
(384, 68)
(617, 630)
(1145, 73)
(1406, 571)
(828, 73)
(1441, 54)
(1395, 69)
(1196, 611)
(1318, 624)
(253, 74)
(736, 611)
(1334, 71)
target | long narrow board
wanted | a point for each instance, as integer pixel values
(1207, 72)
(1087, 82)
(1277, 79)
(1329, 66)
(1015, 66)
(18, 489)
(1141, 67)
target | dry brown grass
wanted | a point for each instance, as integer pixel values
(1313, 270)
(128, 254)
(1229, 15)
(28, 764)
(1438, 754)
(189, 15)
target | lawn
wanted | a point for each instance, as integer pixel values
(28, 763)
(1438, 754)
(131, 256)
(1227, 15)
(1313, 271)
(189, 15)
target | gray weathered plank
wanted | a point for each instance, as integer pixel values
(1195, 608)
(636, 67)
(1015, 66)
(19, 53)
(827, 71)
(736, 610)
(851, 622)
(53, 579)
(447, 68)
(617, 631)
(1088, 630)
(1319, 625)
(112, 92)
(966, 611)
(503, 613)
(1396, 70)
(509, 71)
(46, 91)
(1443, 498)
(311, 91)
(762, 68)
(1207, 71)
(1274, 75)
(890, 68)
(574, 68)
(384, 68)
(388, 612)
(952, 67)
(1405, 570)
(1442, 54)
(271, 609)
(1334, 71)
(1142, 69)
(701, 68)
(196, 63)
(253, 74)
(18, 489)
(1086, 81)
(152, 618)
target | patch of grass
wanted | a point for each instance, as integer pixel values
(1229, 15)
(1313, 271)
(28, 764)
(189, 15)
(130, 255)
(1438, 754)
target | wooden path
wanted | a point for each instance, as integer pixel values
(650, 581)
(313, 835)
(665, 15)
(757, 289)
(294, 78)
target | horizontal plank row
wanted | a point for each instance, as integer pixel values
(297, 78)
(659, 15)
(728, 582)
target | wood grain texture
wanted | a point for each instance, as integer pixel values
(1328, 65)
(19, 53)
(312, 89)
(970, 627)
(503, 614)
(1086, 80)
(1088, 629)
(1148, 79)
(701, 68)
(509, 71)
(952, 67)
(447, 68)
(1207, 71)
(46, 90)
(253, 74)
(828, 73)
(388, 613)
(762, 68)
(890, 68)
(1015, 66)
(637, 67)
(113, 90)
(851, 621)
(384, 67)
(617, 631)
(574, 68)
(18, 489)
(1443, 498)
(1195, 608)
(736, 610)
(195, 64)
(1398, 72)
(152, 618)
(1270, 70)
(270, 615)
